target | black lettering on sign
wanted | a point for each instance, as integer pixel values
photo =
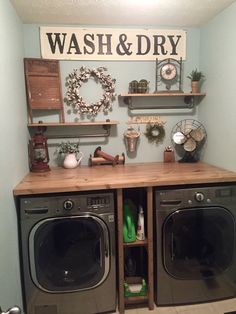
(74, 45)
(123, 47)
(89, 43)
(159, 42)
(174, 44)
(106, 44)
(112, 44)
(143, 40)
(56, 41)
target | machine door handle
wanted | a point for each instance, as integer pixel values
(172, 247)
(100, 248)
(106, 244)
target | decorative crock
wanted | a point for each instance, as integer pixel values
(195, 86)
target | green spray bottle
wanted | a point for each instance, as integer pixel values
(129, 234)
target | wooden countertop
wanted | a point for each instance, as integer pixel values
(121, 176)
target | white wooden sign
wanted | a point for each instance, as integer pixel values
(67, 43)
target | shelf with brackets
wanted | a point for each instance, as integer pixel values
(105, 125)
(189, 99)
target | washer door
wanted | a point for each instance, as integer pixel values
(198, 242)
(69, 253)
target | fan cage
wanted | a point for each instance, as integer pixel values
(185, 127)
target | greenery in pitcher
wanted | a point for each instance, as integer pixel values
(68, 148)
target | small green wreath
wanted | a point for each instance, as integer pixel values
(155, 133)
(74, 82)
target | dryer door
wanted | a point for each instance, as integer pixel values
(198, 242)
(69, 253)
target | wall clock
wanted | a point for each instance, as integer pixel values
(169, 75)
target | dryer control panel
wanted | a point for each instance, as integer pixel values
(223, 195)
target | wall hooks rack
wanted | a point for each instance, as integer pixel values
(146, 120)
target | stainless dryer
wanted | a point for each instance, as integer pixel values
(195, 244)
(68, 253)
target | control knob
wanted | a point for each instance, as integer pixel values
(68, 204)
(199, 197)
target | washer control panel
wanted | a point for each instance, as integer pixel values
(96, 202)
(70, 204)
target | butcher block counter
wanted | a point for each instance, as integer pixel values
(86, 178)
(142, 177)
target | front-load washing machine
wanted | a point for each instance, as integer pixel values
(68, 253)
(195, 244)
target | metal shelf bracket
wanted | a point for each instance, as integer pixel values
(190, 101)
(128, 102)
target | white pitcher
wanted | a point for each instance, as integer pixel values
(72, 160)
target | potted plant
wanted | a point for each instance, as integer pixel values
(71, 152)
(195, 76)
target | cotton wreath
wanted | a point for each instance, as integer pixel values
(75, 80)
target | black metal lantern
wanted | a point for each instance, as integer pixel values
(38, 153)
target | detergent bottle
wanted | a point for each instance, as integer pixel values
(140, 225)
(129, 234)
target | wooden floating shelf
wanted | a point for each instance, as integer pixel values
(164, 94)
(63, 124)
(106, 125)
(189, 99)
(136, 243)
(136, 300)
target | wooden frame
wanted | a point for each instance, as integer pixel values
(148, 244)
(43, 86)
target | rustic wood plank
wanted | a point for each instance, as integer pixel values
(163, 94)
(150, 247)
(80, 123)
(121, 301)
(136, 243)
(122, 176)
(43, 86)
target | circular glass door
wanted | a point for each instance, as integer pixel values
(198, 242)
(69, 253)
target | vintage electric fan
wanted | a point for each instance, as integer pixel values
(188, 137)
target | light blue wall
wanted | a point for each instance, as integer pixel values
(13, 156)
(217, 112)
(123, 72)
(218, 61)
